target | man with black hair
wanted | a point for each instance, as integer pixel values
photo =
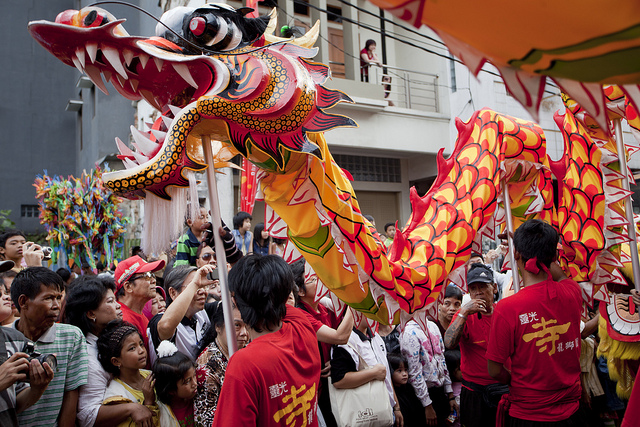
(274, 380)
(37, 293)
(539, 330)
(469, 329)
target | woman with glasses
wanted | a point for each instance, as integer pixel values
(186, 318)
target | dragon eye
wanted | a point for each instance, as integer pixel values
(197, 25)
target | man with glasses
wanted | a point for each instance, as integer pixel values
(136, 284)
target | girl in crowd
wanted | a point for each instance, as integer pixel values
(176, 383)
(155, 305)
(410, 405)
(122, 354)
(91, 305)
(212, 364)
(262, 241)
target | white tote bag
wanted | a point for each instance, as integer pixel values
(364, 406)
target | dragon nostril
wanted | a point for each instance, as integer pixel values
(197, 25)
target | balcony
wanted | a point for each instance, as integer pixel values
(404, 88)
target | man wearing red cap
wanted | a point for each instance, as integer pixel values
(136, 285)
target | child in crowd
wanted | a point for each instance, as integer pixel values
(176, 383)
(262, 241)
(242, 233)
(122, 353)
(188, 243)
(410, 406)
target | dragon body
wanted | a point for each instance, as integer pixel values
(222, 75)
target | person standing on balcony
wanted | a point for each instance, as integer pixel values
(368, 58)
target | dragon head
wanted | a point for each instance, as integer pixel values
(210, 66)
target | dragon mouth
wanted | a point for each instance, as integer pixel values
(153, 69)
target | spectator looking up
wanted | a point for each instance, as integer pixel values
(539, 330)
(90, 305)
(188, 243)
(6, 279)
(186, 318)
(212, 363)
(136, 284)
(37, 292)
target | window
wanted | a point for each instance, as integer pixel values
(29, 211)
(377, 169)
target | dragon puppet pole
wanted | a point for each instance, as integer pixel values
(631, 228)
(221, 257)
(512, 255)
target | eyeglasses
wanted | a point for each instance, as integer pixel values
(147, 276)
(207, 257)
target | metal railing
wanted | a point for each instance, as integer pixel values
(407, 88)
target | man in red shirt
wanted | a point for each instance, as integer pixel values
(135, 285)
(273, 381)
(539, 329)
(470, 327)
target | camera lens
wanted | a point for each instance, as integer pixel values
(50, 359)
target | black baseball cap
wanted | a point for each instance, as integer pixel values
(479, 273)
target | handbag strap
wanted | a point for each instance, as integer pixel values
(362, 362)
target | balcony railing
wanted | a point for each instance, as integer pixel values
(407, 88)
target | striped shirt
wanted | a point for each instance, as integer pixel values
(187, 249)
(13, 343)
(68, 343)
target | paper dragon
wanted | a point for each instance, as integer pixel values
(82, 217)
(213, 71)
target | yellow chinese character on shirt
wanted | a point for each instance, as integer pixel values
(547, 335)
(300, 405)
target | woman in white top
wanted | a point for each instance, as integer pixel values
(91, 304)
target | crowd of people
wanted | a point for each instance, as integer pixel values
(147, 344)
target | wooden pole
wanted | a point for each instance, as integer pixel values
(221, 256)
(509, 220)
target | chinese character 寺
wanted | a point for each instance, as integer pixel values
(299, 406)
(547, 334)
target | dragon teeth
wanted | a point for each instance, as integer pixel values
(160, 136)
(175, 110)
(112, 55)
(129, 163)
(159, 63)
(140, 158)
(128, 56)
(144, 144)
(96, 77)
(78, 65)
(80, 56)
(92, 51)
(184, 72)
(144, 58)
(124, 150)
(134, 84)
(167, 121)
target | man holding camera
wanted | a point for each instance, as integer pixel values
(37, 293)
(15, 367)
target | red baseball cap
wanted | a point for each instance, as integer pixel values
(133, 265)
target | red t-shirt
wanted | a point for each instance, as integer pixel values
(274, 380)
(140, 321)
(539, 328)
(473, 349)
(318, 319)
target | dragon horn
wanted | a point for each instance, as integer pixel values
(308, 40)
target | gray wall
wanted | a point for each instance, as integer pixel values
(37, 133)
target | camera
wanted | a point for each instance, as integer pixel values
(214, 275)
(30, 349)
(46, 251)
